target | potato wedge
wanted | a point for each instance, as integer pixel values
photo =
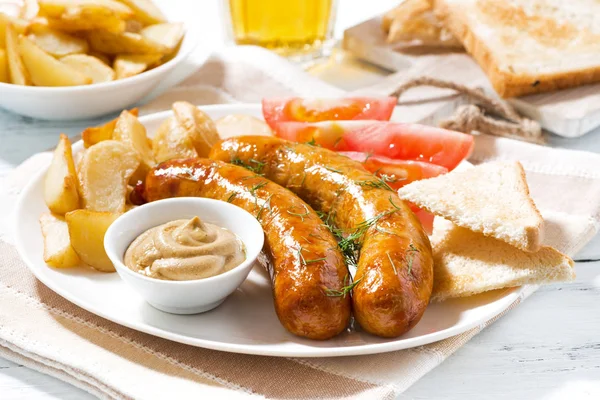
(131, 132)
(58, 251)
(45, 70)
(90, 66)
(57, 8)
(145, 11)
(29, 10)
(16, 68)
(61, 187)
(77, 21)
(127, 65)
(133, 26)
(56, 43)
(102, 57)
(198, 126)
(87, 230)
(104, 173)
(172, 141)
(4, 74)
(19, 26)
(96, 134)
(126, 42)
(167, 34)
(241, 124)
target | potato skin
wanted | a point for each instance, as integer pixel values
(395, 266)
(306, 265)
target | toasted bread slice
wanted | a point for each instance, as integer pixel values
(526, 46)
(466, 263)
(491, 198)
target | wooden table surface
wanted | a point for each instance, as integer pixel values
(547, 348)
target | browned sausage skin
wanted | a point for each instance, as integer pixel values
(307, 269)
(394, 274)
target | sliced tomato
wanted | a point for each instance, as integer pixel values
(390, 139)
(396, 173)
(314, 110)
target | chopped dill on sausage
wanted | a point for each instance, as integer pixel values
(345, 290)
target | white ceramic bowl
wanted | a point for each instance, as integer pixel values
(89, 101)
(184, 297)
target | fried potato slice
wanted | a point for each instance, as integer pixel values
(127, 65)
(241, 124)
(61, 191)
(29, 10)
(131, 132)
(97, 134)
(45, 70)
(4, 74)
(77, 21)
(172, 141)
(145, 11)
(19, 26)
(167, 34)
(199, 127)
(58, 251)
(57, 43)
(90, 66)
(86, 231)
(16, 68)
(103, 175)
(57, 8)
(126, 42)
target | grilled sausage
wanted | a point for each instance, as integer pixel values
(394, 275)
(306, 268)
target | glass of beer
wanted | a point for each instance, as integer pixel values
(297, 29)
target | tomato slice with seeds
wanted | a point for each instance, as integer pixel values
(389, 139)
(315, 110)
(396, 173)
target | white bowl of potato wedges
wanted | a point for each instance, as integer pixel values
(76, 59)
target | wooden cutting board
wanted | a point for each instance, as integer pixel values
(569, 113)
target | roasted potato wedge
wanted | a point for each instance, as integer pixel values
(145, 11)
(16, 68)
(4, 74)
(172, 141)
(57, 8)
(61, 187)
(19, 26)
(90, 66)
(167, 34)
(198, 126)
(241, 124)
(96, 134)
(29, 10)
(56, 43)
(45, 70)
(133, 26)
(126, 42)
(131, 132)
(127, 65)
(58, 251)
(86, 231)
(104, 173)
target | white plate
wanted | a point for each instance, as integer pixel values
(246, 321)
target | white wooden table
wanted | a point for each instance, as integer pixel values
(547, 348)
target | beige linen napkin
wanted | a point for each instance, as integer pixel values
(43, 331)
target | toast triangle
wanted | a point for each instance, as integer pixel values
(467, 263)
(491, 198)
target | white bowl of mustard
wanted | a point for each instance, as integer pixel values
(172, 265)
